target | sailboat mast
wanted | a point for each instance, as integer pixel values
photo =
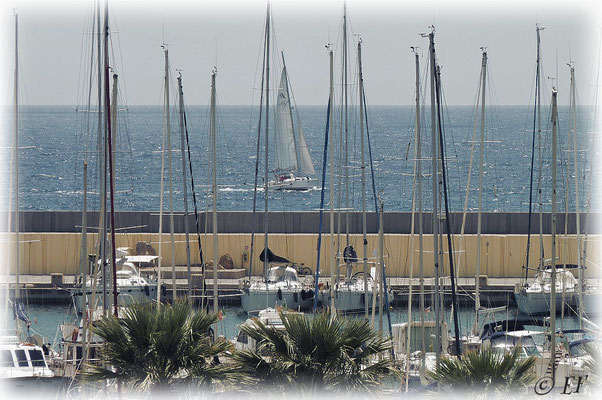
(481, 166)
(113, 140)
(381, 274)
(266, 150)
(334, 276)
(16, 159)
(553, 280)
(170, 178)
(536, 117)
(161, 190)
(420, 226)
(363, 168)
(346, 155)
(214, 190)
(184, 181)
(540, 144)
(580, 262)
(435, 179)
(110, 153)
(102, 148)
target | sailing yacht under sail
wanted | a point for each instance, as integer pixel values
(294, 169)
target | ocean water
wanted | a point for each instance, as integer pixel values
(55, 141)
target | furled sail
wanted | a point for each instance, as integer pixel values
(286, 155)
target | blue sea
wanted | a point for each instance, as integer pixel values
(54, 141)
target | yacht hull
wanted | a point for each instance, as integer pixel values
(127, 295)
(252, 300)
(539, 302)
(349, 301)
(296, 183)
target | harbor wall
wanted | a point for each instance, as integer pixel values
(496, 223)
(501, 255)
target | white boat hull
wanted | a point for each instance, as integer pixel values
(348, 301)
(294, 183)
(300, 299)
(539, 302)
(127, 295)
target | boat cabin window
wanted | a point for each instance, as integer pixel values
(282, 275)
(21, 358)
(78, 352)
(6, 359)
(242, 338)
(37, 358)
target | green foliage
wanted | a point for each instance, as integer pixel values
(486, 371)
(155, 348)
(315, 353)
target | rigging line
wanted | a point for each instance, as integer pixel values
(324, 158)
(526, 266)
(194, 201)
(257, 152)
(447, 216)
(376, 210)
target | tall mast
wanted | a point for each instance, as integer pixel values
(381, 283)
(540, 144)
(334, 276)
(161, 191)
(481, 166)
(16, 158)
(346, 154)
(435, 178)
(420, 222)
(170, 179)
(113, 141)
(102, 149)
(110, 153)
(266, 152)
(580, 262)
(363, 168)
(184, 181)
(214, 190)
(553, 280)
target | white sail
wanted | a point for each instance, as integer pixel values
(304, 158)
(286, 155)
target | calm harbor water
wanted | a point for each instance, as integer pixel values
(54, 144)
(46, 319)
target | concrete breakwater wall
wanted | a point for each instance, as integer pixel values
(51, 242)
(501, 255)
(499, 223)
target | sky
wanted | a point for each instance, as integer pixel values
(228, 34)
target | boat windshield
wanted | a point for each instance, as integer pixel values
(282, 275)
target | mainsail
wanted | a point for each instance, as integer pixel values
(286, 154)
(304, 158)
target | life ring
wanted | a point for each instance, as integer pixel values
(279, 294)
(146, 290)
